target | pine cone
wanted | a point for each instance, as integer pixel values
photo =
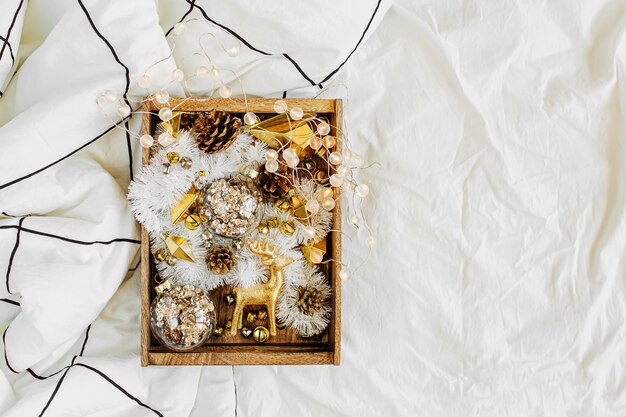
(217, 130)
(310, 300)
(220, 259)
(275, 184)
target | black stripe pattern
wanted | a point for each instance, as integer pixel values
(5, 42)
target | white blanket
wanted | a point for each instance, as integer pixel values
(497, 285)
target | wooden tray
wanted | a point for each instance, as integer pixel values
(286, 348)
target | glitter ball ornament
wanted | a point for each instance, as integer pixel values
(182, 317)
(231, 208)
(220, 259)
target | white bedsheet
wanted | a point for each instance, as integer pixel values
(497, 285)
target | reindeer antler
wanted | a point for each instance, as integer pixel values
(262, 248)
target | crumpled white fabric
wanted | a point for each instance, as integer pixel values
(496, 286)
(11, 22)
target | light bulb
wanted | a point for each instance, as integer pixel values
(215, 74)
(123, 110)
(329, 141)
(336, 180)
(162, 97)
(323, 129)
(280, 106)
(356, 161)
(233, 50)
(315, 142)
(351, 185)
(347, 155)
(177, 75)
(327, 193)
(144, 80)
(344, 274)
(328, 204)
(202, 71)
(354, 219)
(309, 232)
(296, 113)
(312, 206)
(292, 162)
(146, 141)
(165, 139)
(289, 154)
(335, 158)
(225, 91)
(343, 170)
(110, 96)
(271, 154)
(271, 165)
(362, 190)
(371, 241)
(179, 28)
(165, 114)
(250, 118)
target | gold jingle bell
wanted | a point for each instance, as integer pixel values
(173, 157)
(245, 332)
(251, 318)
(192, 221)
(287, 228)
(261, 334)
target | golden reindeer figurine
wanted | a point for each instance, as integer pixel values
(263, 294)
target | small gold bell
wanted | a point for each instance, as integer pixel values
(262, 315)
(165, 168)
(186, 162)
(263, 229)
(173, 157)
(160, 255)
(261, 334)
(229, 324)
(282, 205)
(230, 299)
(280, 325)
(272, 222)
(192, 222)
(251, 318)
(287, 228)
(219, 331)
(245, 332)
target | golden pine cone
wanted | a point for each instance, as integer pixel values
(310, 300)
(275, 185)
(220, 259)
(216, 130)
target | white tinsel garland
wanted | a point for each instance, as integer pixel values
(153, 193)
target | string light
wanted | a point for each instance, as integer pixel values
(165, 139)
(344, 274)
(225, 91)
(336, 180)
(271, 165)
(271, 154)
(354, 220)
(312, 206)
(162, 97)
(146, 141)
(296, 113)
(177, 75)
(179, 28)
(329, 141)
(124, 110)
(356, 161)
(315, 142)
(323, 129)
(202, 71)
(215, 74)
(165, 114)
(328, 204)
(250, 118)
(335, 158)
(309, 232)
(343, 170)
(280, 106)
(362, 190)
(233, 50)
(327, 193)
(110, 96)
(144, 80)
(371, 241)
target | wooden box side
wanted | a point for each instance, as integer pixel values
(246, 355)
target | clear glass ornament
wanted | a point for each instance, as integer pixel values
(146, 141)
(182, 317)
(280, 106)
(296, 113)
(165, 114)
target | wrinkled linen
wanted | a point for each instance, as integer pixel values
(496, 286)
